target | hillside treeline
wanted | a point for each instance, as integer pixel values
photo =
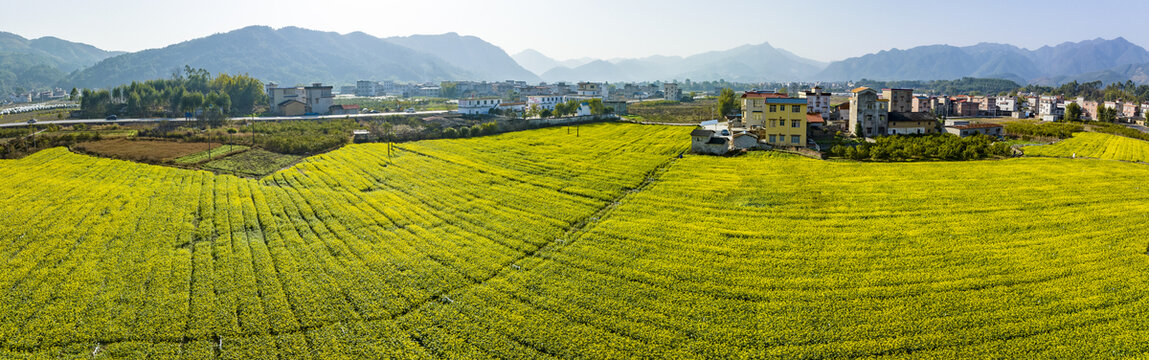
(193, 91)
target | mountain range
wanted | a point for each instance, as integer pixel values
(40, 63)
(293, 55)
(988, 60)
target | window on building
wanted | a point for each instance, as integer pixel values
(782, 108)
(773, 108)
(796, 108)
(795, 123)
(795, 139)
(773, 138)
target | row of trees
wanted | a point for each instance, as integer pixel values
(569, 108)
(1095, 91)
(1062, 130)
(923, 147)
(193, 91)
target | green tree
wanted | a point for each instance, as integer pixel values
(726, 102)
(72, 95)
(1072, 112)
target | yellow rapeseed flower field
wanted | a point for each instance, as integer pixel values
(1095, 145)
(541, 244)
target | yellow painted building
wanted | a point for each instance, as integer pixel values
(776, 118)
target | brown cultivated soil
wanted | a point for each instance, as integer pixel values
(142, 150)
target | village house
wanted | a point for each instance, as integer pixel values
(1088, 109)
(867, 113)
(319, 98)
(618, 107)
(900, 99)
(973, 129)
(817, 101)
(779, 120)
(670, 91)
(545, 102)
(922, 104)
(906, 123)
(745, 141)
(291, 107)
(592, 89)
(815, 121)
(704, 142)
(1130, 110)
(343, 109)
(520, 106)
(480, 106)
(965, 108)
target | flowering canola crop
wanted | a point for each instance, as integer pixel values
(541, 244)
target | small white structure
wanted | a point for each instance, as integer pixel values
(584, 109)
(482, 106)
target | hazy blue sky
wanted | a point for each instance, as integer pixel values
(822, 30)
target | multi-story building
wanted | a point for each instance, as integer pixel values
(867, 114)
(965, 107)
(779, 120)
(817, 101)
(1145, 110)
(1088, 109)
(319, 98)
(277, 96)
(366, 88)
(544, 102)
(901, 100)
(480, 106)
(671, 91)
(986, 105)
(1006, 105)
(1130, 110)
(591, 89)
(922, 104)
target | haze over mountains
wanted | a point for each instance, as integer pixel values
(294, 55)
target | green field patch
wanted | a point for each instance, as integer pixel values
(206, 155)
(254, 163)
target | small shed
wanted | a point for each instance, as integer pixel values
(360, 135)
(292, 108)
(745, 141)
(703, 141)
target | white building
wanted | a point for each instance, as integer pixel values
(583, 109)
(545, 102)
(366, 88)
(817, 101)
(481, 106)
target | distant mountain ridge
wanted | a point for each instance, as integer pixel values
(935, 62)
(750, 63)
(27, 65)
(293, 55)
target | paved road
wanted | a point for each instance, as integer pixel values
(1138, 127)
(242, 118)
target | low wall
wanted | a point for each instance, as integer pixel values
(571, 120)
